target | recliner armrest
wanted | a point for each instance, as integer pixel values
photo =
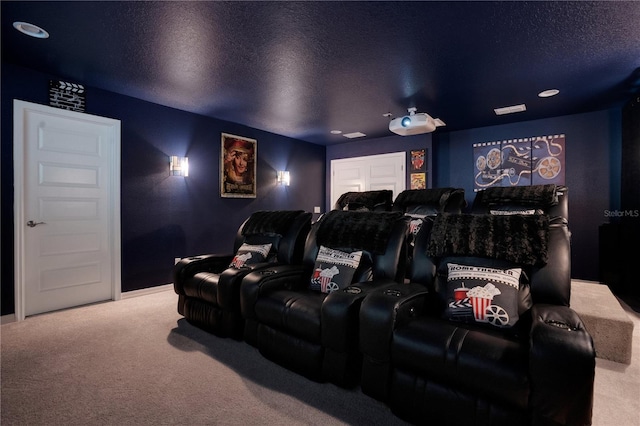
(230, 281)
(561, 366)
(340, 313)
(381, 312)
(267, 279)
(189, 266)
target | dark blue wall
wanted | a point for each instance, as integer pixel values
(592, 140)
(164, 217)
(592, 167)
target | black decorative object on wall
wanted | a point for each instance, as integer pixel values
(65, 95)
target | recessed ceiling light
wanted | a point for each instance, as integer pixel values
(548, 93)
(510, 109)
(354, 135)
(336, 132)
(30, 29)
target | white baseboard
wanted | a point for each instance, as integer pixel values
(6, 319)
(145, 291)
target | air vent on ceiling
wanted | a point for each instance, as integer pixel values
(354, 135)
(510, 109)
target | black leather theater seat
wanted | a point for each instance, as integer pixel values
(306, 317)
(483, 333)
(208, 286)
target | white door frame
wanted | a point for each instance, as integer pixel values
(18, 198)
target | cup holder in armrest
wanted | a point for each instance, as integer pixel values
(266, 272)
(353, 290)
(392, 292)
(560, 324)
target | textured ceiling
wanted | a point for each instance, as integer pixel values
(302, 69)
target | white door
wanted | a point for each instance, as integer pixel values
(370, 173)
(67, 208)
(347, 175)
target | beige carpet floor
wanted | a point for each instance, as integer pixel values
(617, 385)
(137, 362)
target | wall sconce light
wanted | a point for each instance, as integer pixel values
(283, 178)
(179, 166)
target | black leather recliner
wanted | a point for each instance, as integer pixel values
(378, 201)
(442, 355)
(208, 287)
(424, 204)
(308, 330)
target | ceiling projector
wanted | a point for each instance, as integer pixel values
(414, 123)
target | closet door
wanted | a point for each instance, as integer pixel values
(370, 173)
(67, 222)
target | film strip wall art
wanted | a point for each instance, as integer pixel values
(65, 95)
(519, 162)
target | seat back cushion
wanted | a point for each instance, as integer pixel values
(369, 231)
(485, 263)
(270, 222)
(365, 201)
(291, 246)
(547, 199)
(380, 236)
(272, 227)
(430, 201)
(520, 239)
(535, 242)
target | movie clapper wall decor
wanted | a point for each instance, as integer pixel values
(70, 96)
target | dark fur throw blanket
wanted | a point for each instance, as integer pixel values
(520, 239)
(433, 196)
(270, 222)
(359, 230)
(368, 199)
(534, 195)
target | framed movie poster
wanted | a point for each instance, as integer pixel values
(418, 163)
(418, 168)
(238, 166)
(418, 181)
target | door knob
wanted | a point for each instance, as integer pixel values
(32, 224)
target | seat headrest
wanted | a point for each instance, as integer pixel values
(431, 199)
(521, 239)
(534, 195)
(270, 222)
(357, 229)
(371, 200)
